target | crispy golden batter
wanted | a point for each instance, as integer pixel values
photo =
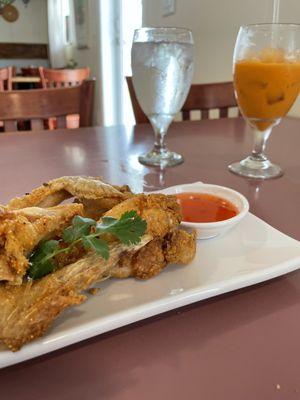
(177, 247)
(35, 217)
(92, 192)
(161, 212)
(180, 247)
(21, 230)
(28, 309)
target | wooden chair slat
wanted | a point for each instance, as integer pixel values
(223, 112)
(37, 124)
(11, 72)
(204, 114)
(185, 115)
(6, 75)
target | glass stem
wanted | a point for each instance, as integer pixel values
(159, 142)
(260, 140)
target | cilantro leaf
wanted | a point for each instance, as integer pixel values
(80, 227)
(128, 229)
(41, 262)
(99, 245)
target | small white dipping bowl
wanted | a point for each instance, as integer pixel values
(206, 230)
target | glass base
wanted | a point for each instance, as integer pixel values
(161, 159)
(252, 168)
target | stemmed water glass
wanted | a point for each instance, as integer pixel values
(266, 67)
(162, 61)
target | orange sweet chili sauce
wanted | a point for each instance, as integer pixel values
(204, 207)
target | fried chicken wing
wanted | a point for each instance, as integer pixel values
(21, 230)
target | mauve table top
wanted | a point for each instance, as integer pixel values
(243, 345)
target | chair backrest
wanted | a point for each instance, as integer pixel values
(208, 96)
(201, 97)
(63, 77)
(40, 104)
(6, 78)
(139, 115)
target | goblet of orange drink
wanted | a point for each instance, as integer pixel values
(266, 69)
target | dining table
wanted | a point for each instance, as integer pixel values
(241, 345)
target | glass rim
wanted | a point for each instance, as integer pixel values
(262, 24)
(167, 28)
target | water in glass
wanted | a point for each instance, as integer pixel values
(162, 76)
(162, 68)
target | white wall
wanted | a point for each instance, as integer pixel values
(215, 24)
(30, 27)
(88, 56)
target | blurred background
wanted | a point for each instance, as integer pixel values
(98, 34)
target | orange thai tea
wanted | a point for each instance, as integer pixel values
(266, 87)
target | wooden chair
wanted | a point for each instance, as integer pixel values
(63, 77)
(6, 75)
(139, 115)
(208, 96)
(40, 104)
(201, 97)
(29, 72)
(57, 78)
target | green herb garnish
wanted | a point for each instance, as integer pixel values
(86, 232)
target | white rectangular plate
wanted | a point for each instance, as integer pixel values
(252, 252)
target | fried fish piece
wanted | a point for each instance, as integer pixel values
(35, 216)
(21, 230)
(160, 211)
(83, 188)
(27, 310)
(180, 247)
